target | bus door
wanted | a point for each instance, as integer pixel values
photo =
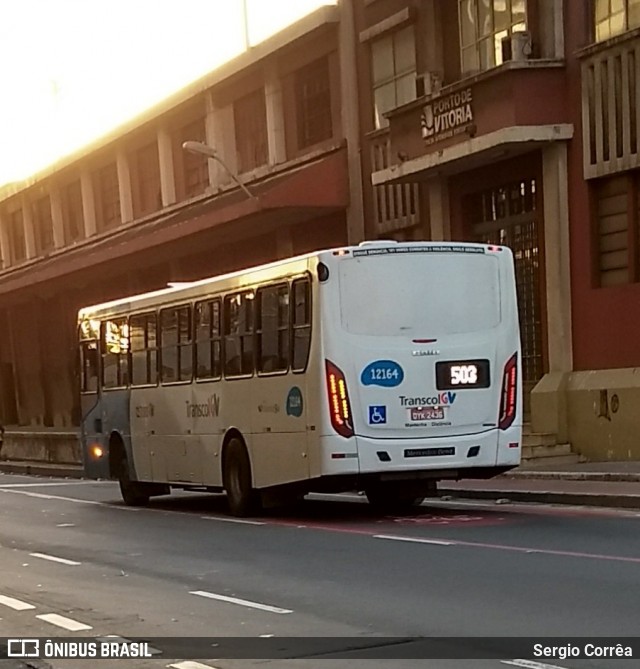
(279, 417)
(90, 405)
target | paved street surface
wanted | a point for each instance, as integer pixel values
(77, 563)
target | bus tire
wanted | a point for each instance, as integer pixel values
(242, 498)
(392, 499)
(132, 492)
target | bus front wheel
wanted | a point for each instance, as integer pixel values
(241, 496)
(131, 491)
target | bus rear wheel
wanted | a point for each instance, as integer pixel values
(242, 498)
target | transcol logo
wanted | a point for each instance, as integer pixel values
(441, 399)
(208, 409)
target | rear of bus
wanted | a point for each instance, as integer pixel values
(421, 350)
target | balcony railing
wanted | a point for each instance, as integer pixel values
(611, 106)
(395, 206)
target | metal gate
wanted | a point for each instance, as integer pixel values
(507, 215)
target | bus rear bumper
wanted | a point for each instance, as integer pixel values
(464, 456)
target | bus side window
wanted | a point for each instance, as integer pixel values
(238, 334)
(272, 328)
(115, 353)
(208, 341)
(301, 323)
(144, 349)
(89, 364)
(176, 353)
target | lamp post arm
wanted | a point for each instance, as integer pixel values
(212, 153)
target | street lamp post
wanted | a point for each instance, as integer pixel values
(211, 152)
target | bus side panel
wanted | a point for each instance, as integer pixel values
(115, 419)
(91, 434)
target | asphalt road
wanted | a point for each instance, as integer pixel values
(77, 563)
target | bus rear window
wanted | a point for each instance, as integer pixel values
(420, 295)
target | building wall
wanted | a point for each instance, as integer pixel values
(134, 212)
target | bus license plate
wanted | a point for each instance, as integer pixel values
(427, 413)
(429, 452)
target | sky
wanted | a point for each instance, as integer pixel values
(72, 70)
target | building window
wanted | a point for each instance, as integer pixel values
(484, 26)
(250, 116)
(144, 349)
(195, 166)
(147, 194)
(613, 17)
(617, 218)
(177, 350)
(272, 328)
(313, 103)
(107, 194)
(393, 64)
(17, 244)
(208, 340)
(238, 334)
(43, 225)
(72, 215)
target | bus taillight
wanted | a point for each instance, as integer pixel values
(509, 393)
(339, 406)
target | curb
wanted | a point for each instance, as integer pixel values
(545, 497)
(627, 477)
(41, 469)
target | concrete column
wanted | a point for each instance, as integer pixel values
(88, 204)
(57, 218)
(29, 232)
(124, 187)
(223, 139)
(439, 216)
(275, 117)
(349, 107)
(549, 408)
(557, 256)
(5, 243)
(167, 172)
(211, 119)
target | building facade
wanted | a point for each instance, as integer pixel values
(522, 129)
(504, 121)
(135, 211)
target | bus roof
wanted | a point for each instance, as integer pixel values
(178, 289)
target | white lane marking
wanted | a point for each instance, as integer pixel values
(44, 485)
(435, 542)
(241, 602)
(529, 664)
(53, 558)
(65, 623)
(66, 525)
(189, 664)
(233, 520)
(70, 499)
(15, 604)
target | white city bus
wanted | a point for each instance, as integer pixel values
(382, 367)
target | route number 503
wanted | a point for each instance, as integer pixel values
(464, 375)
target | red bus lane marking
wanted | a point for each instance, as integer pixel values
(453, 519)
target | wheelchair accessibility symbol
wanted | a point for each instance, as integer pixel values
(377, 415)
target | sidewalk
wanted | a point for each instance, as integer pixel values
(607, 484)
